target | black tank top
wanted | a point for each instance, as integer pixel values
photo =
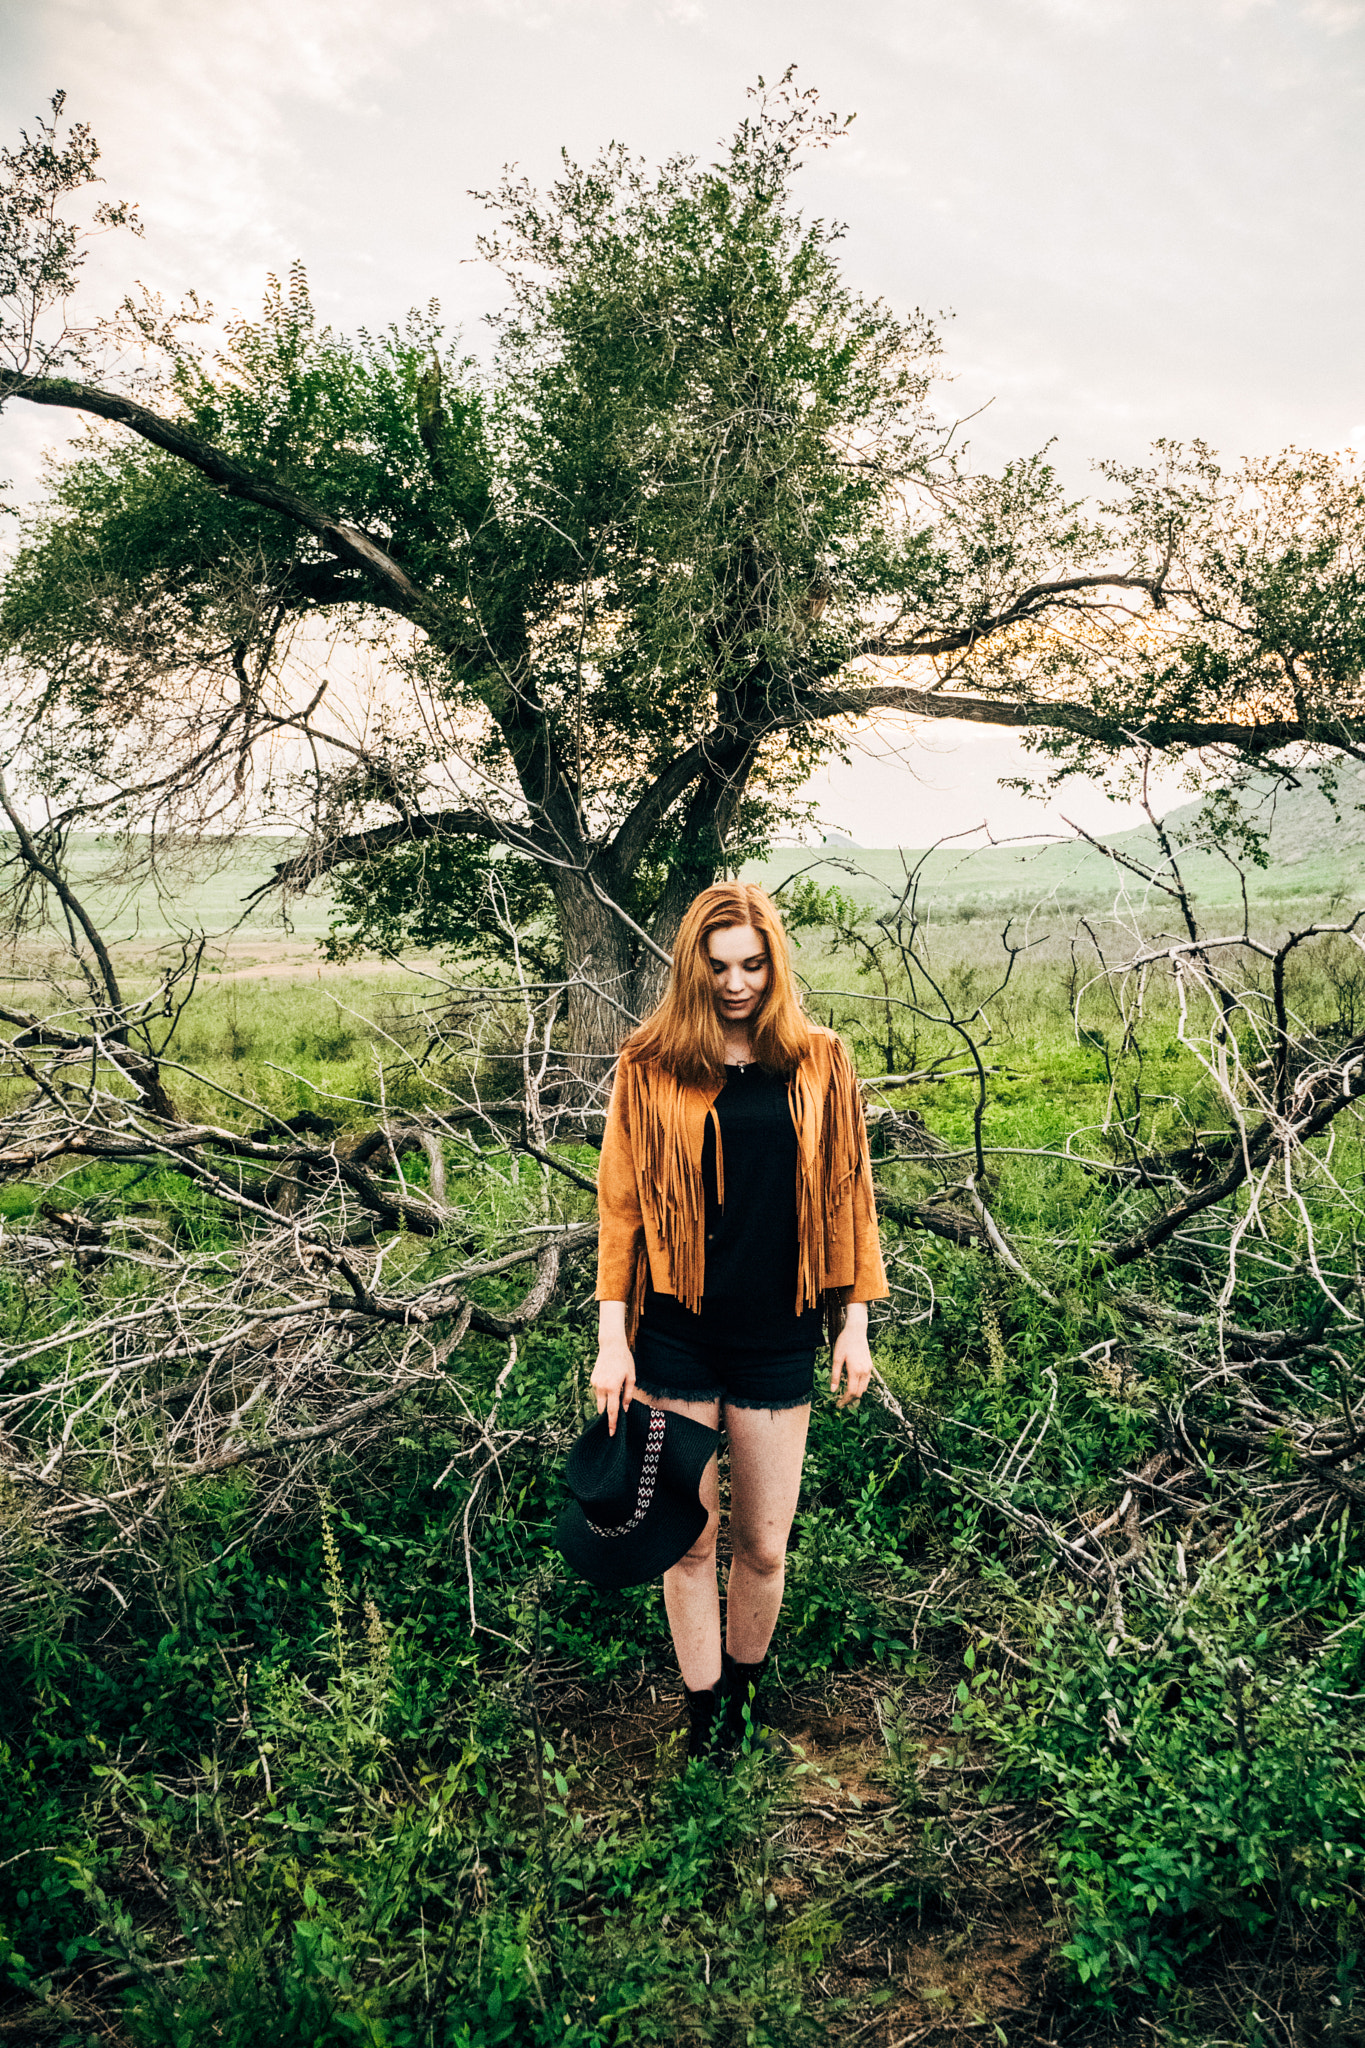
(749, 1287)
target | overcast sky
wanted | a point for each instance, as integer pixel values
(1145, 216)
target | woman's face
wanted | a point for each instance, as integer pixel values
(740, 971)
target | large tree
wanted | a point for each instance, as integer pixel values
(616, 588)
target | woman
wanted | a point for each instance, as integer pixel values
(736, 1218)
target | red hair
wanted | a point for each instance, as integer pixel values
(685, 1033)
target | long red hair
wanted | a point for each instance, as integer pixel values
(685, 1033)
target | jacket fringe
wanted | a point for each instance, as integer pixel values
(666, 1122)
(668, 1172)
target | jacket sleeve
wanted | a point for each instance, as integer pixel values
(621, 1228)
(869, 1273)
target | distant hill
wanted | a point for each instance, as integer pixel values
(1317, 855)
(204, 887)
(1304, 822)
(1315, 850)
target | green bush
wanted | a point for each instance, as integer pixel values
(1200, 1790)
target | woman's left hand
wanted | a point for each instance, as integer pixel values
(851, 1356)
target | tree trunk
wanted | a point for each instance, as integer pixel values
(709, 821)
(598, 950)
(650, 979)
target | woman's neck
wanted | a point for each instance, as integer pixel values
(738, 1052)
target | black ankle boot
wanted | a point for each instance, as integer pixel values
(705, 1718)
(739, 1684)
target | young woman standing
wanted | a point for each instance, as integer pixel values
(737, 1219)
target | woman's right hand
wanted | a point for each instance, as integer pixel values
(613, 1377)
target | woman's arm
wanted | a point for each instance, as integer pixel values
(621, 1224)
(613, 1376)
(851, 1355)
(869, 1272)
(619, 1236)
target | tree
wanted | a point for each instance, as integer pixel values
(622, 586)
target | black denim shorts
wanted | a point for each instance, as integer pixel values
(702, 1366)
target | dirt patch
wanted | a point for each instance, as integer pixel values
(921, 1931)
(301, 966)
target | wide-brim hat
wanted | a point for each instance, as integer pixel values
(636, 1506)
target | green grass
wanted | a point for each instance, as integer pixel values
(275, 1787)
(1052, 883)
(291, 1044)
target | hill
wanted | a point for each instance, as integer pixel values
(1315, 851)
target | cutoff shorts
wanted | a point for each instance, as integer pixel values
(740, 1374)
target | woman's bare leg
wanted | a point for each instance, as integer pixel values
(691, 1598)
(767, 1447)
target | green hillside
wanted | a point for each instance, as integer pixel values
(199, 890)
(1316, 854)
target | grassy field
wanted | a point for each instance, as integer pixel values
(367, 1765)
(203, 892)
(1060, 881)
(1316, 853)
(1316, 860)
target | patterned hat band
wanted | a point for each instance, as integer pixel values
(649, 1476)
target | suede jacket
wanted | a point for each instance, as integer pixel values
(652, 1203)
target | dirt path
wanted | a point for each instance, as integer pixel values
(302, 967)
(970, 1965)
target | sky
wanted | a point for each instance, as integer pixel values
(1139, 218)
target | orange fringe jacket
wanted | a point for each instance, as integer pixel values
(652, 1205)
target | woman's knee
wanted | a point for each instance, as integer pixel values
(763, 1555)
(702, 1556)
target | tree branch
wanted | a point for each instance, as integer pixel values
(721, 752)
(469, 823)
(1310, 1123)
(1027, 605)
(347, 542)
(1251, 737)
(69, 901)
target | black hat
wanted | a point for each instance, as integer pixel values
(635, 1509)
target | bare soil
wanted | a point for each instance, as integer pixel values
(969, 1962)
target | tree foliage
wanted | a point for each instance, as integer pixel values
(588, 610)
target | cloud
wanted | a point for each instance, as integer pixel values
(202, 111)
(1338, 17)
